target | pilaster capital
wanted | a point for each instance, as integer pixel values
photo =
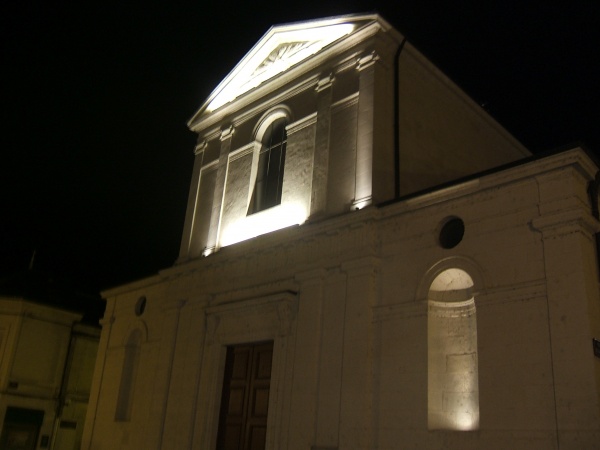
(566, 222)
(367, 61)
(200, 147)
(325, 83)
(227, 132)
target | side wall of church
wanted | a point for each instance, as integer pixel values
(443, 134)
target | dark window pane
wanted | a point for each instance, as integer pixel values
(269, 178)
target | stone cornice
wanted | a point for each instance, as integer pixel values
(364, 62)
(210, 166)
(277, 311)
(200, 147)
(302, 123)
(492, 180)
(227, 132)
(325, 83)
(278, 289)
(561, 223)
(243, 151)
(522, 292)
(399, 311)
(339, 48)
(244, 303)
(312, 240)
(297, 249)
(311, 275)
(368, 265)
(128, 288)
(350, 100)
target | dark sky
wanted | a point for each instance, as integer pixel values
(96, 156)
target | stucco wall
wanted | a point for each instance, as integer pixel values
(444, 135)
(345, 302)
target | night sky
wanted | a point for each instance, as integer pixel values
(96, 155)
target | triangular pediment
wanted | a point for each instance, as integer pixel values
(282, 47)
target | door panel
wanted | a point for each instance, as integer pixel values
(245, 397)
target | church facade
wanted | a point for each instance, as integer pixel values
(369, 261)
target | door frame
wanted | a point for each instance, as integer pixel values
(267, 318)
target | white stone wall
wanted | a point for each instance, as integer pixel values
(342, 150)
(343, 292)
(345, 302)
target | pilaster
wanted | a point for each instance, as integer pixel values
(318, 204)
(217, 206)
(170, 313)
(185, 371)
(363, 191)
(91, 417)
(186, 249)
(573, 312)
(357, 396)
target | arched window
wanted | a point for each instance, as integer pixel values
(453, 379)
(128, 375)
(271, 161)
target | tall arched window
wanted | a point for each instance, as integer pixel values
(453, 379)
(271, 161)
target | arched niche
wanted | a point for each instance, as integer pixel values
(129, 371)
(453, 378)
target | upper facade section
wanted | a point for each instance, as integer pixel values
(325, 117)
(281, 48)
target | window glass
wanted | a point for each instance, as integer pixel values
(271, 161)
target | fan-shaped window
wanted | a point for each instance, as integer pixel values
(269, 175)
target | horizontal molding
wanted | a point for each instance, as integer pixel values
(490, 297)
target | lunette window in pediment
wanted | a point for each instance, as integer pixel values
(280, 55)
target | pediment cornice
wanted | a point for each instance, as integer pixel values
(282, 49)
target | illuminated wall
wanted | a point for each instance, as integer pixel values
(333, 80)
(453, 379)
(390, 326)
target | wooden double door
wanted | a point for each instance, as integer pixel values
(245, 397)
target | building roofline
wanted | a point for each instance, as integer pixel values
(577, 146)
(237, 71)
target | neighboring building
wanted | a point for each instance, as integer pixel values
(47, 358)
(369, 261)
